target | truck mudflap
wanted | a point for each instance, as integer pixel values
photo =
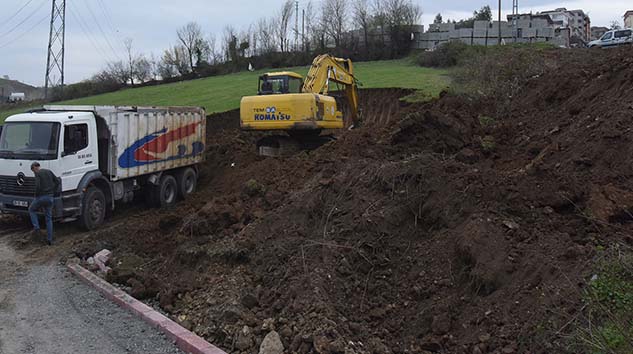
(19, 205)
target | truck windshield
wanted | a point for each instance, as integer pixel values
(29, 140)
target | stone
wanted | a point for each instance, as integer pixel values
(244, 340)
(467, 156)
(101, 259)
(249, 301)
(441, 324)
(271, 344)
(321, 344)
(230, 316)
(268, 324)
(286, 332)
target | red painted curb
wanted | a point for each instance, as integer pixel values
(186, 340)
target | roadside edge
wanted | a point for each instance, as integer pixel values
(186, 340)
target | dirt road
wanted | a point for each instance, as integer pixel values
(43, 309)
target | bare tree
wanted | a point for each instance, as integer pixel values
(381, 19)
(266, 36)
(130, 59)
(309, 15)
(401, 16)
(213, 57)
(335, 19)
(229, 43)
(283, 21)
(142, 69)
(119, 72)
(176, 57)
(192, 40)
(362, 20)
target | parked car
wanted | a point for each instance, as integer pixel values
(613, 38)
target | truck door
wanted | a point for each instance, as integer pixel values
(79, 154)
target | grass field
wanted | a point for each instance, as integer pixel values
(222, 93)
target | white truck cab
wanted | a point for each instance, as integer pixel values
(102, 154)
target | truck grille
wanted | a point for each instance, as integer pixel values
(9, 185)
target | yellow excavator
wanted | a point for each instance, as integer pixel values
(285, 102)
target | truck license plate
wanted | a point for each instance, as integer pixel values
(20, 203)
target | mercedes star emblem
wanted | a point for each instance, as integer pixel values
(21, 179)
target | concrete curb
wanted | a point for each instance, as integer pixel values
(185, 340)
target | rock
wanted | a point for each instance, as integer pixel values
(512, 225)
(101, 259)
(321, 344)
(296, 343)
(441, 323)
(268, 324)
(377, 346)
(484, 337)
(244, 340)
(286, 332)
(230, 316)
(271, 344)
(467, 156)
(249, 301)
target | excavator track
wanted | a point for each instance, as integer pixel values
(286, 145)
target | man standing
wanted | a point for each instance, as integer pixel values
(46, 186)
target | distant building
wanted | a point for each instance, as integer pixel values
(628, 19)
(598, 32)
(576, 20)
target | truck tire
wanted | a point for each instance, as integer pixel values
(93, 209)
(187, 182)
(167, 191)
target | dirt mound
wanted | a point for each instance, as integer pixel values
(447, 230)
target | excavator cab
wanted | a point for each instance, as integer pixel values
(280, 83)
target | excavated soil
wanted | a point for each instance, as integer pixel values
(436, 227)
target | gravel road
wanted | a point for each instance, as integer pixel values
(44, 309)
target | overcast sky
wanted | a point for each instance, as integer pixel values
(96, 28)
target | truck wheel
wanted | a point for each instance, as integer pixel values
(187, 182)
(93, 209)
(167, 191)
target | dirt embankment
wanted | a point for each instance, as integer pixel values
(436, 227)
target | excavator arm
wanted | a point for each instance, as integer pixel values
(326, 68)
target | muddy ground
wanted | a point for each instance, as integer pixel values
(436, 227)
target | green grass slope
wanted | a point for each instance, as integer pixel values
(222, 93)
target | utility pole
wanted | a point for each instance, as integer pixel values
(297, 25)
(515, 19)
(56, 47)
(303, 29)
(499, 22)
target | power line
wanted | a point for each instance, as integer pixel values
(101, 30)
(15, 39)
(16, 13)
(91, 39)
(24, 20)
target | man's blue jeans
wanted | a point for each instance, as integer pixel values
(44, 202)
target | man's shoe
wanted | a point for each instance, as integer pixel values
(50, 243)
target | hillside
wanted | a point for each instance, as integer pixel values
(9, 86)
(223, 93)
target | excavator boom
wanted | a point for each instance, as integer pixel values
(326, 68)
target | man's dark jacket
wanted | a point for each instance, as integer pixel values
(46, 183)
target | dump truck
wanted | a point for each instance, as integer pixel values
(104, 156)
